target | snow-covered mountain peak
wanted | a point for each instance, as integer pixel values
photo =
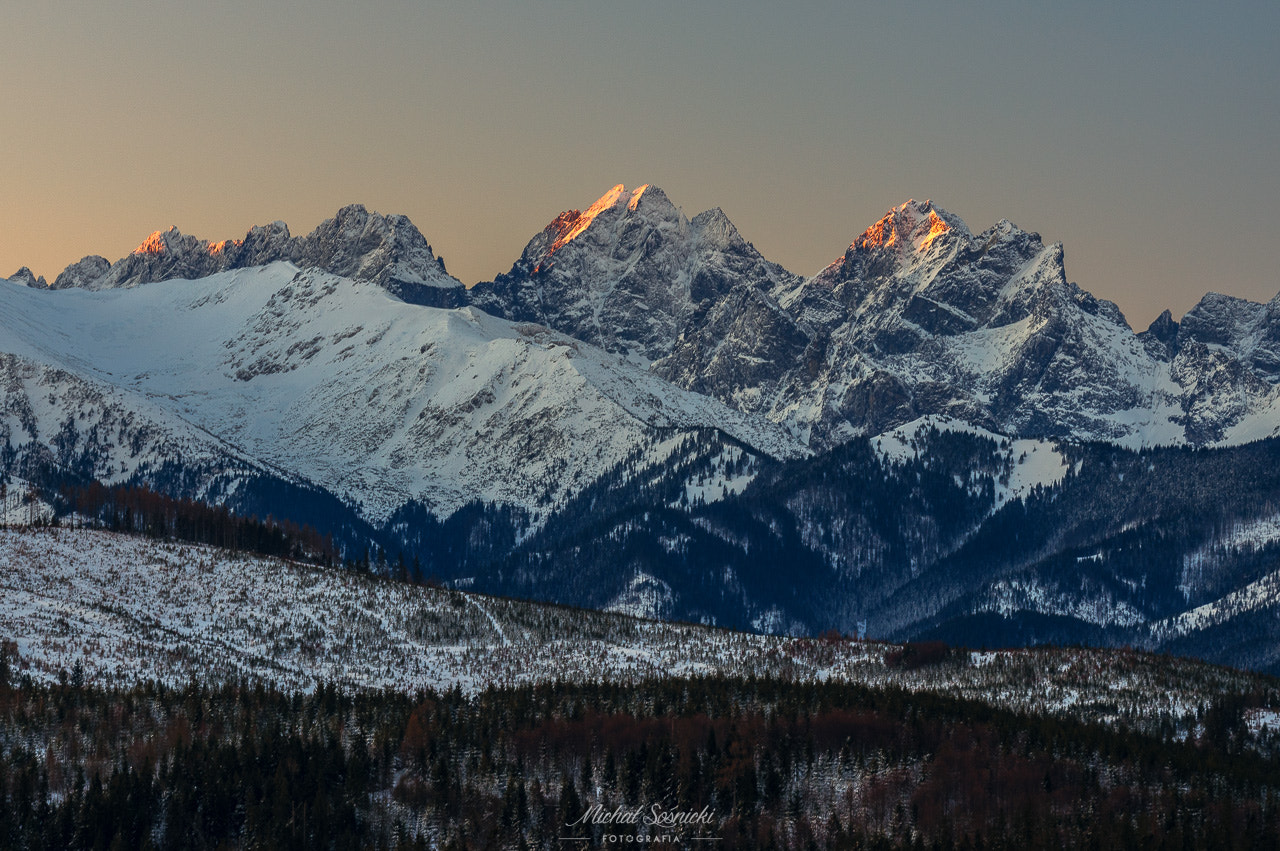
(356, 243)
(82, 273)
(713, 228)
(264, 242)
(1006, 242)
(25, 277)
(914, 239)
(368, 246)
(911, 226)
(1248, 330)
(169, 241)
(636, 194)
(629, 273)
(921, 316)
(613, 207)
(607, 201)
(567, 226)
(275, 228)
(617, 195)
(164, 255)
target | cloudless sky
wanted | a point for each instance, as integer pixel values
(1144, 136)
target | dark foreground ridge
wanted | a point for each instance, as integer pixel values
(761, 763)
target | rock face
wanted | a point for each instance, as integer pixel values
(629, 273)
(920, 316)
(26, 278)
(387, 250)
(163, 256)
(82, 273)
(1161, 337)
(356, 243)
(1246, 330)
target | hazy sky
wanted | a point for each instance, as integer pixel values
(1144, 136)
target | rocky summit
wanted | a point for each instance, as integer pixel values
(920, 316)
(630, 273)
(355, 244)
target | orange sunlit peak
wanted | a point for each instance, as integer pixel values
(937, 227)
(156, 243)
(220, 247)
(635, 197)
(570, 224)
(880, 235)
(915, 224)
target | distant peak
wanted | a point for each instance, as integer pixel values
(570, 224)
(610, 198)
(356, 219)
(364, 244)
(912, 225)
(1164, 326)
(83, 273)
(607, 201)
(28, 278)
(159, 242)
(616, 196)
(352, 211)
(714, 226)
(356, 243)
(620, 194)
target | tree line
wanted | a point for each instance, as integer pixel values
(137, 509)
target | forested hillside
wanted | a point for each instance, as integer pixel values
(686, 762)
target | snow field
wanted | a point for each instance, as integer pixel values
(127, 609)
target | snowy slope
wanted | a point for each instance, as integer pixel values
(340, 383)
(127, 609)
(1030, 463)
(53, 416)
(21, 505)
(1262, 595)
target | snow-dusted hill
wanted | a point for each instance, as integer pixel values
(125, 609)
(61, 419)
(334, 381)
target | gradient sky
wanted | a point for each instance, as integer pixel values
(1144, 136)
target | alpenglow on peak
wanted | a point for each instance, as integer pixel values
(356, 243)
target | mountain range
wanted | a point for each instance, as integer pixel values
(938, 434)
